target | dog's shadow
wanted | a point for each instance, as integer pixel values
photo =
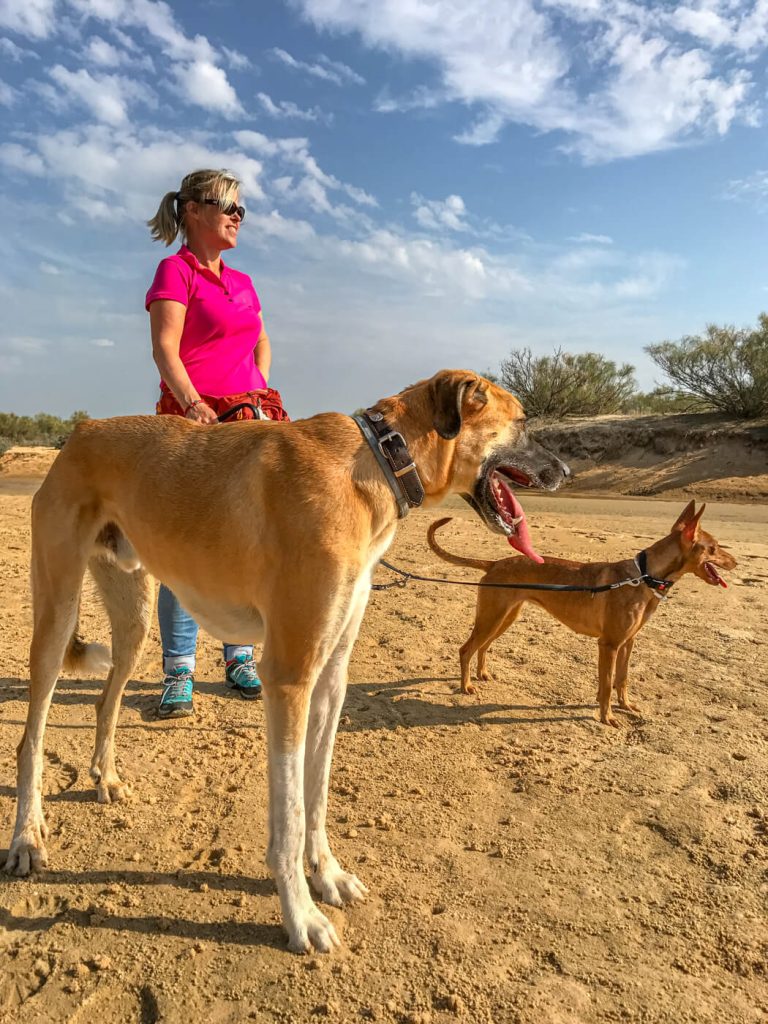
(404, 703)
(240, 933)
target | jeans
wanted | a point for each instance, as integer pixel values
(178, 631)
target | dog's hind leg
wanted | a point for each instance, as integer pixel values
(622, 673)
(129, 599)
(482, 654)
(329, 880)
(58, 565)
(492, 616)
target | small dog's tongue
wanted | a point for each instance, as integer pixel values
(521, 539)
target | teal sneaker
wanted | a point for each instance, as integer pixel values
(176, 701)
(243, 677)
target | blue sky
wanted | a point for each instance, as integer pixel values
(428, 184)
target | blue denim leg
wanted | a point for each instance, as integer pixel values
(178, 630)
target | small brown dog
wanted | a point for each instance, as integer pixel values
(613, 616)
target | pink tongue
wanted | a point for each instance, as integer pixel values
(521, 539)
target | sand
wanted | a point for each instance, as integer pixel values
(526, 864)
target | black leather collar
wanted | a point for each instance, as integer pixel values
(660, 587)
(393, 456)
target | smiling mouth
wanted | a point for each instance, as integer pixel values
(509, 512)
(714, 575)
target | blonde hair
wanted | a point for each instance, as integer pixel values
(222, 186)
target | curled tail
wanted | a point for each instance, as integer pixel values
(474, 563)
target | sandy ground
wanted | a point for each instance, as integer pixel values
(525, 863)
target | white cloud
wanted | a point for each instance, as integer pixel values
(422, 98)
(314, 183)
(325, 69)
(589, 239)
(436, 214)
(7, 94)
(619, 77)
(108, 97)
(113, 174)
(753, 189)
(33, 18)
(20, 159)
(14, 52)
(206, 85)
(285, 108)
(102, 343)
(236, 60)
(49, 268)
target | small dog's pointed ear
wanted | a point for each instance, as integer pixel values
(448, 391)
(691, 528)
(685, 516)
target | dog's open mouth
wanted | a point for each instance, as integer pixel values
(509, 511)
(713, 575)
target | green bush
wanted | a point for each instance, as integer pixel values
(726, 368)
(563, 384)
(663, 401)
(43, 428)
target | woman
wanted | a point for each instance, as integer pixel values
(210, 346)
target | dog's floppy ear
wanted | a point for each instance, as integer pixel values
(448, 391)
(685, 516)
(691, 528)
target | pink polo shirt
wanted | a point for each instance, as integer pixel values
(221, 327)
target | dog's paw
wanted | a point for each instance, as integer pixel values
(312, 932)
(110, 788)
(113, 792)
(610, 720)
(337, 887)
(28, 852)
(470, 688)
(626, 706)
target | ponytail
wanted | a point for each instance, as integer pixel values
(165, 225)
(169, 219)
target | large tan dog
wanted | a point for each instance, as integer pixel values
(307, 511)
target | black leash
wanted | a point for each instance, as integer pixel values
(659, 587)
(255, 409)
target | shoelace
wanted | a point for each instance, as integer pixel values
(243, 671)
(180, 688)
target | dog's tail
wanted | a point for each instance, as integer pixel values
(475, 563)
(94, 659)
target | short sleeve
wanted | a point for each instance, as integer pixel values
(171, 282)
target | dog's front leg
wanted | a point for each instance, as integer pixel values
(606, 668)
(329, 880)
(286, 707)
(622, 672)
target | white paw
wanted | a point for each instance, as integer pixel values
(28, 852)
(337, 887)
(312, 932)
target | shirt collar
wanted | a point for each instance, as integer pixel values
(189, 257)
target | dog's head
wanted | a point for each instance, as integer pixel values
(474, 443)
(702, 552)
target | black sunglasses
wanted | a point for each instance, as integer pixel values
(228, 209)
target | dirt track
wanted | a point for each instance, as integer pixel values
(525, 863)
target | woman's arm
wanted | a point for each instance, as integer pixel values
(166, 320)
(262, 354)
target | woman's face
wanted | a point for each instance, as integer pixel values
(209, 225)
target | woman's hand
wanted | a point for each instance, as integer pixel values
(201, 413)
